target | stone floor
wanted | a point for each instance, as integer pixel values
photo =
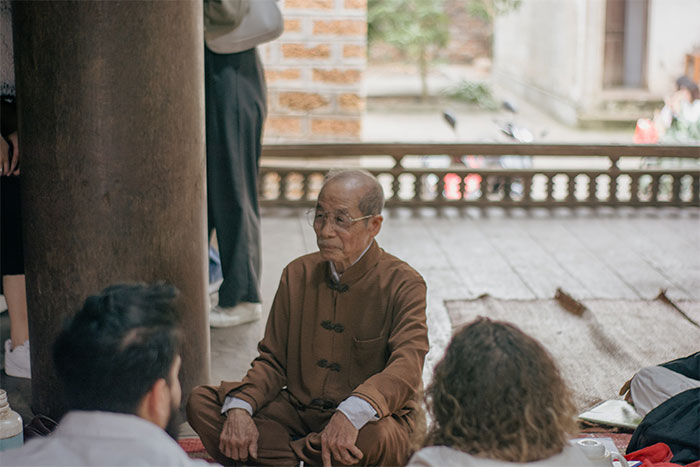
(509, 254)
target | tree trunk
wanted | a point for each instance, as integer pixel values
(423, 70)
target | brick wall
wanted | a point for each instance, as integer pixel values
(470, 37)
(315, 70)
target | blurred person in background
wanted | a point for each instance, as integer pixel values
(17, 361)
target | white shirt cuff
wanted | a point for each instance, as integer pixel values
(358, 411)
(235, 403)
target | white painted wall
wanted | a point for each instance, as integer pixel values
(551, 51)
(539, 51)
(674, 30)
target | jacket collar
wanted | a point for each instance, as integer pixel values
(352, 274)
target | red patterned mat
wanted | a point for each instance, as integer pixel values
(194, 448)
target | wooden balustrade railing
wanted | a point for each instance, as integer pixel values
(617, 175)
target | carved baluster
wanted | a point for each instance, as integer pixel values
(305, 185)
(655, 188)
(676, 191)
(571, 187)
(483, 186)
(634, 188)
(507, 180)
(527, 187)
(395, 186)
(614, 172)
(283, 186)
(612, 193)
(441, 189)
(261, 184)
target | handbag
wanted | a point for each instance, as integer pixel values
(262, 23)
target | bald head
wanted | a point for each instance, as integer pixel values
(370, 192)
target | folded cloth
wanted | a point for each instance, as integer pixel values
(648, 463)
(656, 453)
(675, 423)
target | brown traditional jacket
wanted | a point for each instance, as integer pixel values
(366, 336)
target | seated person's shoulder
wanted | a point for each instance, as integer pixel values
(399, 268)
(305, 263)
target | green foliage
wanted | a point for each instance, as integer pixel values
(487, 10)
(413, 26)
(474, 92)
(684, 129)
(418, 28)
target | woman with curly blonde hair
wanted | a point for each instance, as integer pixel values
(497, 398)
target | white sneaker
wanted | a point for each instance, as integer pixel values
(214, 286)
(225, 317)
(214, 293)
(213, 300)
(17, 361)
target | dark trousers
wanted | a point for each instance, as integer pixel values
(11, 248)
(235, 104)
(289, 433)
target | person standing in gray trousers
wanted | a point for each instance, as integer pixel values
(235, 103)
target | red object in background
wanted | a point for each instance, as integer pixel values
(656, 455)
(472, 183)
(452, 182)
(645, 132)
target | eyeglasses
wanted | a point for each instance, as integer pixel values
(338, 220)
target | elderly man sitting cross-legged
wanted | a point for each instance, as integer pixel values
(339, 370)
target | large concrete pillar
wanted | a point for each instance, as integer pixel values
(111, 123)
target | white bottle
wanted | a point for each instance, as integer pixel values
(11, 428)
(599, 456)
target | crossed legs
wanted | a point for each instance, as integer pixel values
(288, 435)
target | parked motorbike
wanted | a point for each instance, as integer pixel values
(510, 131)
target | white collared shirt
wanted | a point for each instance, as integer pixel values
(101, 438)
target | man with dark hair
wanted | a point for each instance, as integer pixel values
(118, 360)
(339, 370)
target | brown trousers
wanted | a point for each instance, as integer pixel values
(289, 434)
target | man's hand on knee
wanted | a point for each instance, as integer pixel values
(338, 441)
(239, 436)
